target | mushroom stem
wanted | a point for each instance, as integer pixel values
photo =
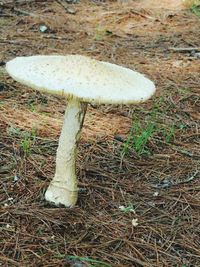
(63, 187)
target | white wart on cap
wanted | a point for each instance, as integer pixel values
(81, 80)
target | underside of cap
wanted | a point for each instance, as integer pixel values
(81, 77)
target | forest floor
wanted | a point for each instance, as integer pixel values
(139, 199)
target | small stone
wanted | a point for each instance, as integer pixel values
(43, 28)
(155, 194)
(135, 222)
(15, 179)
(71, 10)
(121, 208)
(73, 1)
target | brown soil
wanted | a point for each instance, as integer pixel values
(162, 185)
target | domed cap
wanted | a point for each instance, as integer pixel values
(78, 76)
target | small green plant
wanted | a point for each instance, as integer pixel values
(32, 107)
(195, 8)
(26, 144)
(92, 262)
(155, 124)
(127, 209)
(183, 91)
(13, 131)
(101, 32)
(33, 134)
(27, 139)
(138, 137)
(170, 134)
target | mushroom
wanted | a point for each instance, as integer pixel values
(81, 80)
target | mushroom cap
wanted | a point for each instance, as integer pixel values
(81, 77)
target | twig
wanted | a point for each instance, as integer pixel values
(184, 49)
(186, 153)
(6, 16)
(65, 6)
(179, 150)
(189, 179)
(57, 37)
(5, 259)
(5, 41)
(167, 183)
(21, 2)
(7, 194)
(62, 4)
(142, 15)
(25, 13)
(98, 186)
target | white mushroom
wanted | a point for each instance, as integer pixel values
(81, 80)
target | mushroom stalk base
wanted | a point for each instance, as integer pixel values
(63, 188)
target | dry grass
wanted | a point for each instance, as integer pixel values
(190, 3)
(162, 187)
